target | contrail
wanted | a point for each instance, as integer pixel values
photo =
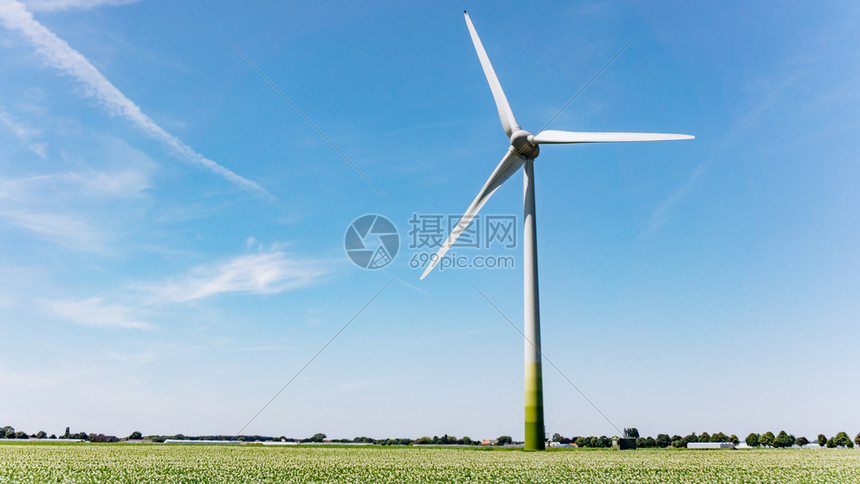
(57, 53)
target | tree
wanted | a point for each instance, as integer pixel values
(705, 437)
(719, 437)
(842, 440)
(752, 439)
(504, 439)
(420, 441)
(467, 440)
(21, 435)
(135, 436)
(41, 435)
(7, 432)
(556, 437)
(857, 439)
(822, 440)
(319, 437)
(631, 432)
(783, 440)
(662, 440)
(801, 441)
(734, 439)
(767, 439)
(581, 442)
(831, 443)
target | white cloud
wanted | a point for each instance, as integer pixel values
(52, 5)
(261, 273)
(57, 53)
(95, 312)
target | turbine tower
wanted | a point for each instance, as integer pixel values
(522, 152)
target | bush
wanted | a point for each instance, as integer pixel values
(662, 440)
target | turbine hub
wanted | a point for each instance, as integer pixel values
(521, 140)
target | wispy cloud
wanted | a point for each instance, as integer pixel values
(25, 134)
(57, 53)
(262, 273)
(661, 214)
(61, 207)
(65, 230)
(52, 5)
(78, 184)
(95, 312)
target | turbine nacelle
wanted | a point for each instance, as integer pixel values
(523, 143)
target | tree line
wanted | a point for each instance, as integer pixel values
(767, 439)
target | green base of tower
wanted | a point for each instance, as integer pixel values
(535, 436)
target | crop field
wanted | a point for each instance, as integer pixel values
(202, 463)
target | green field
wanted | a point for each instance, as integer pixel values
(189, 463)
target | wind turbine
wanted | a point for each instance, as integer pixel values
(522, 152)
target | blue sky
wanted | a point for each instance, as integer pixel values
(171, 230)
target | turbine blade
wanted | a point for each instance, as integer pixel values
(509, 165)
(505, 114)
(552, 136)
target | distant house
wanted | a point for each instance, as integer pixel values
(710, 445)
(489, 442)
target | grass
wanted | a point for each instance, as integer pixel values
(203, 463)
